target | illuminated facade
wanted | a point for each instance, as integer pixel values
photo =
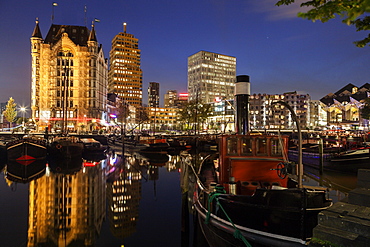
(125, 75)
(263, 116)
(169, 98)
(343, 107)
(211, 75)
(69, 78)
(161, 118)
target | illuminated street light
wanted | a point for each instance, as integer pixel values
(23, 110)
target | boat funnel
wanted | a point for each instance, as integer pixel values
(242, 92)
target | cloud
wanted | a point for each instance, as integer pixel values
(282, 12)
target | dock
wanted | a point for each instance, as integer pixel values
(347, 223)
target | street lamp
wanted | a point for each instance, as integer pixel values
(23, 110)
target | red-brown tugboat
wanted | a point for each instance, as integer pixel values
(244, 194)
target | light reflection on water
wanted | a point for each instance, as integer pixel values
(135, 202)
(97, 205)
(338, 183)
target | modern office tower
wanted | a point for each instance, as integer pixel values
(125, 75)
(169, 98)
(153, 94)
(69, 78)
(210, 76)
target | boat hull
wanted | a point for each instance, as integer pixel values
(268, 218)
(345, 162)
(66, 149)
(33, 149)
(21, 173)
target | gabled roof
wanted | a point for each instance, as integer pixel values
(36, 31)
(346, 93)
(366, 85)
(348, 88)
(78, 34)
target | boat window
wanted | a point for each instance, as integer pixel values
(276, 148)
(261, 146)
(246, 146)
(232, 146)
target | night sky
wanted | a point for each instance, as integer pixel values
(279, 51)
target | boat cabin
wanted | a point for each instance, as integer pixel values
(248, 162)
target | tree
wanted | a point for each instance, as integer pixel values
(365, 111)
(10, 112)
(353, 12)
(123, 112)
(142, 116)
(195, 112)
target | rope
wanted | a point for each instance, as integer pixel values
(214, 196)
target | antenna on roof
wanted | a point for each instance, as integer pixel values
(52, 11)
(124, 27)
(85, 10)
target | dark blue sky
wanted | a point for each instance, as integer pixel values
(279, 51)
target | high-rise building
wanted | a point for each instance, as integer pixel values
(169, 98)
(211, 75)
(153, 94)
(125, 75)
(69, 77)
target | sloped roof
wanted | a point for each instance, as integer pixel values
(36, 31)
(92, 36)
(344, 94)
(78, 34)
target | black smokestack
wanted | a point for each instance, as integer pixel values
(242, 92)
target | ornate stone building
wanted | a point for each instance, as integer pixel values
(69, 78)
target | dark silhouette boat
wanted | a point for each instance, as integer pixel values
(66, 147)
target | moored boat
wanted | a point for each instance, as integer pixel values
(92, 146)
(348, 161)
(26, 149)
(245, 195)
(66, 147)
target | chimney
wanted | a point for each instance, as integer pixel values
(242, 92)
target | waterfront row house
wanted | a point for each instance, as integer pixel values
(343, 107)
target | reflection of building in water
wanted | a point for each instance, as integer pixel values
(153, 173)
(173, 163)
(67, 210)
(123, 195)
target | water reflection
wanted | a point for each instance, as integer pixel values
(67, 205)
(74, 200)
(95, 202)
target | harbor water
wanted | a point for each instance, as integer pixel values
(142, 200)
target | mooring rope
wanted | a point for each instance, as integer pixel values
(219, 190)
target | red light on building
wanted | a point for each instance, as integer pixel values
(183, 96)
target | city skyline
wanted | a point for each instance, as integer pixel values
(279, 51)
